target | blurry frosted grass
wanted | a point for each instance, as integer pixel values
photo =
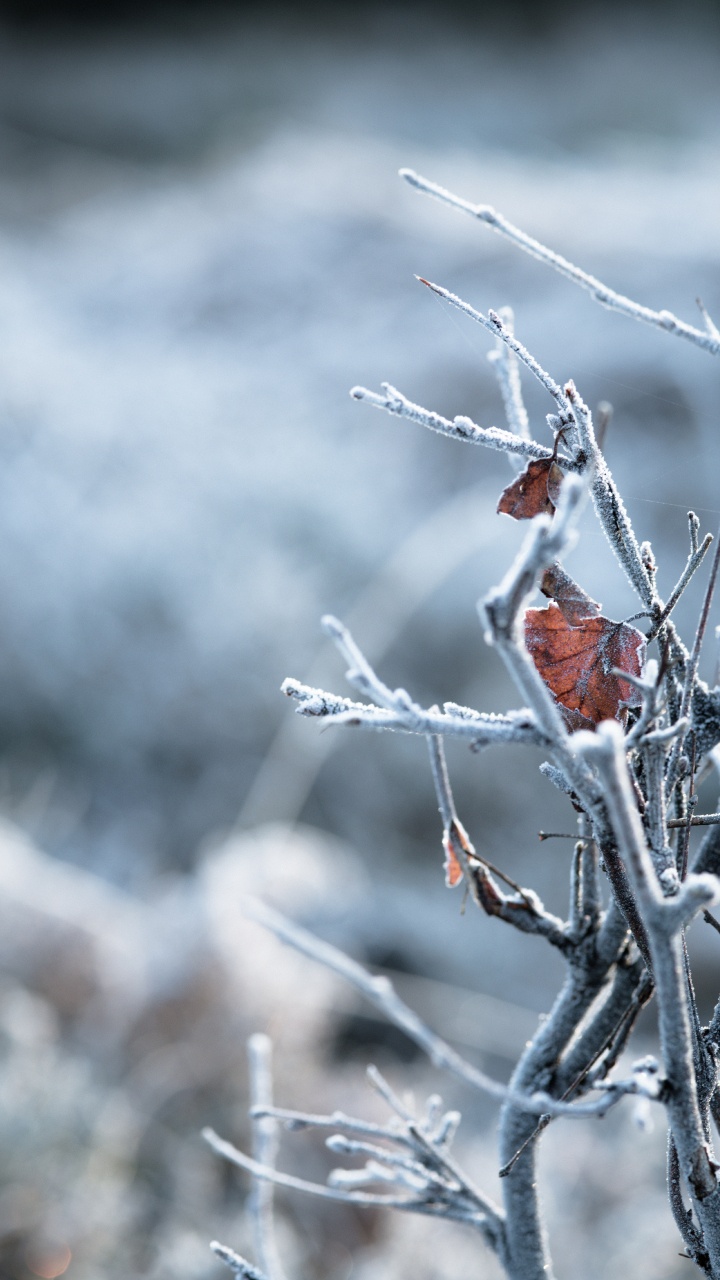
(183, 473)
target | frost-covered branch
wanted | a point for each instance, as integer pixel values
(480, 729)
(412, 1203)
(265, 1145)
(665, 918)
(695, 558)
(506, 366)
(412, 1152)
(410, 1157)
(690, 681)
(380, 992)
(709, 341)
(239, 1266)
(459, 428)
(494, 325)
(609, 506)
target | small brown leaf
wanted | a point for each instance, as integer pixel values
(452, 868)
(535, 490)
(455, 836)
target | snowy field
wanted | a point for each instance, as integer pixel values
(204, 245)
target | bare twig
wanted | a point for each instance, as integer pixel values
(691, 671)
(709, 322)
(494, 325)
(695, 559)
(366, 1199)
(408, 1156)
(264, 1148)
(609, 506)
(601, 293)
(460, 428)
(380, 992)
(505, 363)
(239, 1266)
(478, 728)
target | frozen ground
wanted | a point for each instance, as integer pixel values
(203, 246)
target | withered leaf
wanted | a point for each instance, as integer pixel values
(453, 870)
(575, 603)
(455, 838)
(535, 490)
(576, 656)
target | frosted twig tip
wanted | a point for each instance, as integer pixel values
(332, 626)
(233, 1260)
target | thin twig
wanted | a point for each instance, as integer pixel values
(264, 1149)
(494, 325)
(609, 506)
(380, 992)
(448, 813)
(684, 837)
(709, 918)
(506, 366)
(601, 293)
(295, 1120)
(695, 559)
(696, 820)
(460, 428)
(709, 322)
(691, 672)
(239, 1266)
(477, 728)
(368, 1200)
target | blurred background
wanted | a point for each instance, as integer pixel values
(203, 245)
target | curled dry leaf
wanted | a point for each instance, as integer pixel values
(453, 870)
(533, 492)
(575, 603)
(455, 835)
(575, 649)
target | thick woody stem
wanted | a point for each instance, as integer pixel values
(664, 919)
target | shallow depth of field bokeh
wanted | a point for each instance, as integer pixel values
(203, 245)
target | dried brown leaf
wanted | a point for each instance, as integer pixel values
(576, 661)
(534, 491)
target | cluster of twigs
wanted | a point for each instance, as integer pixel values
(632, 893)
